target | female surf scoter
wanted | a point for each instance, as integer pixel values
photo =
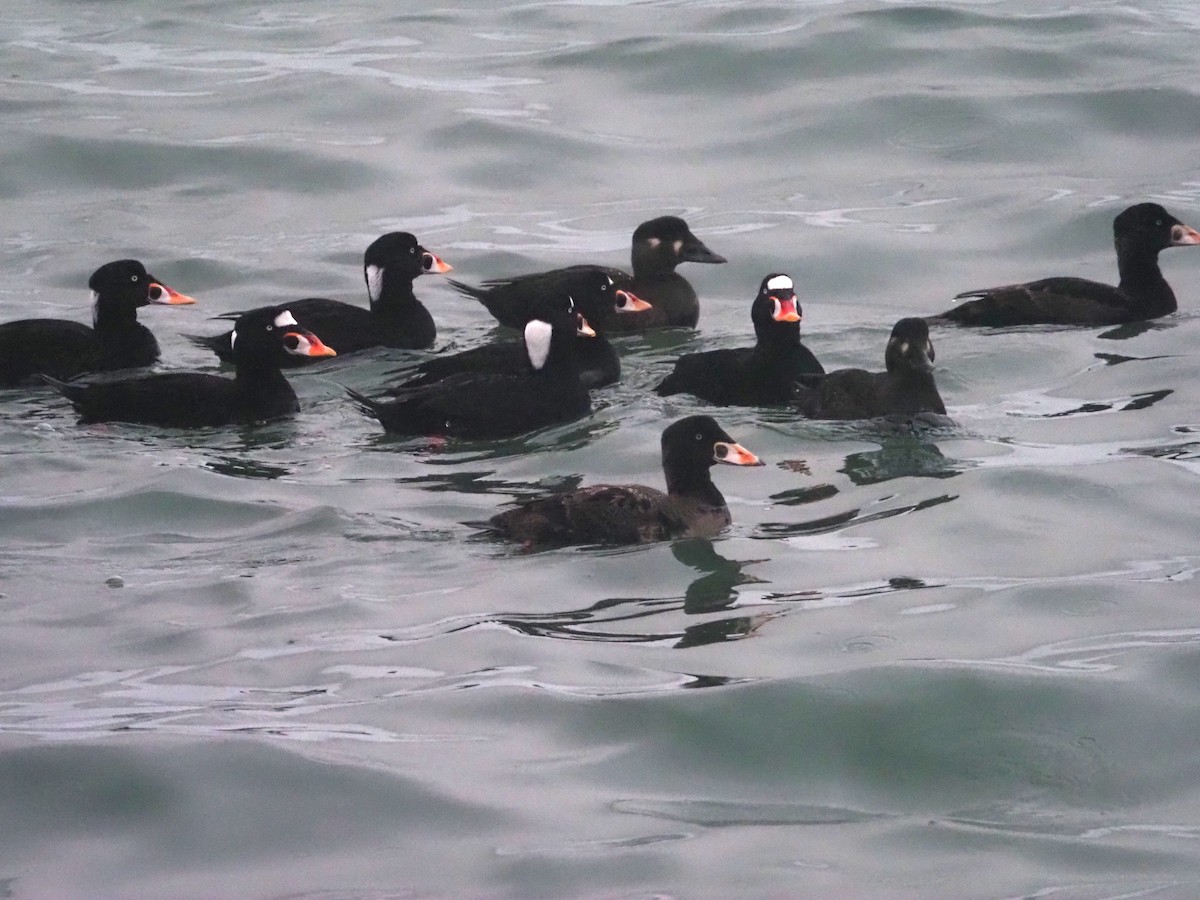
(396, 318)
(595, 296)
(1139, 233)
(763, 375)
(498, 404)
(262, 339)
(64, 349)
(906, 388)
(659, 245)
(633, 513)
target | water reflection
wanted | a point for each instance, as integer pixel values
(899, 458)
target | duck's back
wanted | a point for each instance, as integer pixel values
(1050, 301)
(55, 347)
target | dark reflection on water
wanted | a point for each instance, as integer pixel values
(899, 458)
(1119, 404)
(245, 468)
(838, 521)
(1115, 359)
(1131, 330)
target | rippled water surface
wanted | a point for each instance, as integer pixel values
(279, 662)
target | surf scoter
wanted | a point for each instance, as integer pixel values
(633, 513)
(659, 245)
(906, 388)
(498, 404)
(763, 375)
(396, 318)
(262, 339)
(595, 296)
(64, 349)
(1139, 233)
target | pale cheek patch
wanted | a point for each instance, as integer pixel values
(537, 342)
(780, 283)
(284, 319)
(678, 245)
(653, 242)
(374, 282)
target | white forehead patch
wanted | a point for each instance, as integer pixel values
(537, 342)
(284, 319)
(780, 283)
(374, 282)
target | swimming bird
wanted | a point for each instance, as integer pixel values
(262, 339)
(659, 245)
(763, 375)
(595, 296)
(1139, 233)
(497, 404)
(61, 348)
(632, 513)
(906, 388)
(396, 318)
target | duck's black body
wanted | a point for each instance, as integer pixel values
(633, 513)
(905, 389)
(595, 296)
(494, 404)
(117, 340)
(257, 392)
(396, 318)
(1139, 233)
(659, 245)
(766, 374)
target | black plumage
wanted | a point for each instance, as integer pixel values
(262, 340)
(62, 349)
(1139, 233)
(659, 245)
(763, 375)
(395, 318)
(692, 506)
(906, 388)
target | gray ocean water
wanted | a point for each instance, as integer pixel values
(273, 662)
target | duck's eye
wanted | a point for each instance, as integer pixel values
(699, 436)
(134, 279)
(1158, 223)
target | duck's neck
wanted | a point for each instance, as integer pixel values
(395, 295)
(653, 262)
(114, 317)
(694, 485)
(1142, 280)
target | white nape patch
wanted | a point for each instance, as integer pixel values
(284, 319)
(233, 339)
(537, 342)
(374, 282)
(780, 283)
(95, 307)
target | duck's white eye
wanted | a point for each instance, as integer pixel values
(134, 279)
(780, 283)
(284, 319)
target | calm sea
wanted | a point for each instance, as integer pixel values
(274, 662)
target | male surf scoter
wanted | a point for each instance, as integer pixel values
(633, 513)
(906, 388)
(1139, 233)
(659, 245)
(498, 404)
(64, 349)
(262, 339)
(763, 375)
(595, 296)
(396, 318)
